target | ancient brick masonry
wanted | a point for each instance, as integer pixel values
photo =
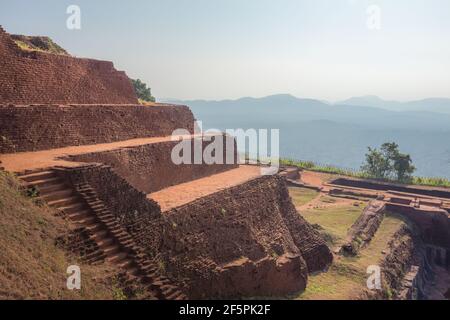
(149, 168)
(32, 128)
(310, 243)
(365, 227)
(126, 202)
(385, 186)
(434, 224)
(259, 256)
(243, 241)
(38, 77)
(79, 243)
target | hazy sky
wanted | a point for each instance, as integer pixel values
(218, 49)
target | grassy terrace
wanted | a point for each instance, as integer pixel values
(346, 278)
(312, 166)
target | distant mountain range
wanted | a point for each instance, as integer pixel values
(368, 111)
(340, 133)
(440, 105)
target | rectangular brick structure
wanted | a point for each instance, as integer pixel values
(42, 127)
(37, 77)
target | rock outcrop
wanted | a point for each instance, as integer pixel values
(364, 228)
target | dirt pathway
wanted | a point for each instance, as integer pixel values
(17, 162)
(187, 192)
(312, 178)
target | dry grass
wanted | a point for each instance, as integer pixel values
(335, 220)
(301, 196)
(31, 266)
(346, 278)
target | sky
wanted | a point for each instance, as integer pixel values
(227, 49)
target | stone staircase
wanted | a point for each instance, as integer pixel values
(81, 205)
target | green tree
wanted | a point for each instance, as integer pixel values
(376, 165)
(403, 167)
(142, 91)
(389, 163)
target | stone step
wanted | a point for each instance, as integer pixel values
(43, 175)
(105, 243)
(46, 190)
(44, 183)
(108, 220)
(64, 202)
(111, 249)
(127, 263)
(95, 256)
(56, 194)
(112, 240)
(88, 220)
(134, 271)
(80, 215)
(105, 216)
(169, 290)
(95, 227)
(177, 295)
(100, 235)
(118, 257)
(74, 208)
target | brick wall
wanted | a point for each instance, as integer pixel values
(149, 168)
(311, 244)
(236, 242)
(34, 128)
(433, 224)
(78, 242)
(384, 186)
(125, 202)
(38, 77)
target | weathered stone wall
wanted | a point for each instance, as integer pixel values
(434, 224)
(399, 259)
(364, 228)
(39, 77)
(383, 186)
(311, 244)
(78, 242)
(239, 242)
(125, 202)
(234, 243)
(395, 266)
(34, 128)
(149, 168)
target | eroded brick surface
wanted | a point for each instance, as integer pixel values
(32, 128)
(39, 77)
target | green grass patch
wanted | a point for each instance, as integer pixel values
(301, 196)
(32, 266)
(312, 166)
(346, 278)
(330, 169)
(433, 182)
(335, 220)
(340, 282)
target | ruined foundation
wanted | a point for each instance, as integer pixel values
(72, 130)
